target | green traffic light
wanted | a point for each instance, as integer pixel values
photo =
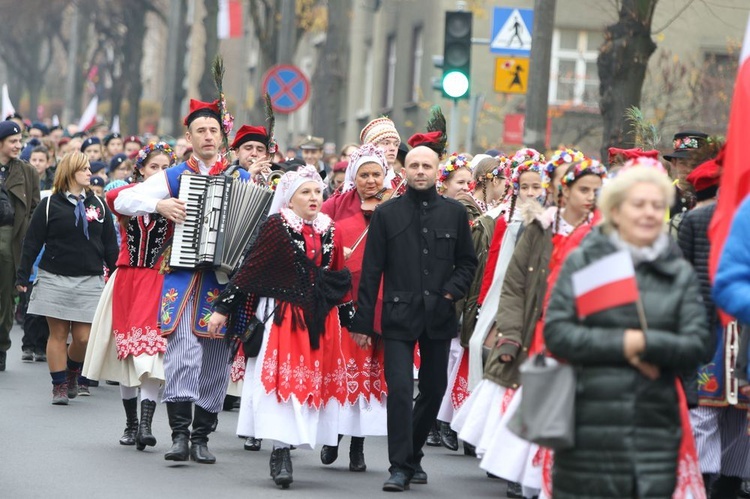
(455, 84)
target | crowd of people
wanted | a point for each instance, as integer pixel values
(390, 263)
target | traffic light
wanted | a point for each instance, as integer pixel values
(457, 55)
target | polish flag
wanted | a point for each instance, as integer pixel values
(89, 115)
(115, 128)
(735, 176)
(229, 20)
(606, 283)
(8, 108)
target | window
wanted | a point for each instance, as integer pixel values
(369, 77)
(574, 77)
(389, 74)
(417, 50)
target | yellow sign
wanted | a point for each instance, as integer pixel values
(511, 75)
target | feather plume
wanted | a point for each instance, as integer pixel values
(227, 120)
(645, 134)
(436, 123)
(271, 119)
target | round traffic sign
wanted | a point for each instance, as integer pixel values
(287, 86)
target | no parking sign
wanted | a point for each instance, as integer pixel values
(287, 86)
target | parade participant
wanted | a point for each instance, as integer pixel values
(92, 148)
(312, 154)
(97, 186)
(293, 279)
(131, 145)
(39, 159)
(120, 167)
(99, 169)
(254, 147)
(419, 245)
(382, 132)
(38, 130)
(347, 151)
(125, 344)
(112, 145)
(364, 412)
(627, 411)
(196, 362)
(719, 422)
(19, 196)
(336, 182)
(76, 229)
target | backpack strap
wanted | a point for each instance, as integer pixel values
(46, 220)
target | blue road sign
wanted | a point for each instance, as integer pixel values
(287, 86)
(511, 31)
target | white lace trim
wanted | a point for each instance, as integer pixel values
(320, 225)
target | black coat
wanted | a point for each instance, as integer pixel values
(420, 244)
(627, 426)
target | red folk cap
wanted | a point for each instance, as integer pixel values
(199, 108)
(247, 133)
(423, 139)
(627, 154)
(707, 175)
(340, 166)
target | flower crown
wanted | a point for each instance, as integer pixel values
(585, 167)
(526, 154)
(526, 166)
(454, 162)
(503, 169)
(561, 157)
(155, 146)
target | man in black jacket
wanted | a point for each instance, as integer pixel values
(420, 244)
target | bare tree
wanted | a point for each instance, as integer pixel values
(622, 63)
(206, 87)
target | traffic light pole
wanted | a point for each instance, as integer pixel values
(453, 145)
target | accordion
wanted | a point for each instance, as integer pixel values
(222, 214)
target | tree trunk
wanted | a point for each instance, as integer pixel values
(135, 20)
(206, 87)
(622, 63)
(330, 73)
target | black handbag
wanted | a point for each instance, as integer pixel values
(252, 337)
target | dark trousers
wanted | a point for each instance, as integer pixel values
(405, 441)
(35, 328)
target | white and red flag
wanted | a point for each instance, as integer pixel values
(89, 115)
(229, 20)
(606, 283)
(8, 108)
(735, 175)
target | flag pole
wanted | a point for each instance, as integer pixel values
(641, 314)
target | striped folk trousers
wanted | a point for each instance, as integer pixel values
(721, 440)
(195, 369)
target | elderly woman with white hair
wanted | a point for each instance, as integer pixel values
(630, 413)
(293, 280)
(364, 413)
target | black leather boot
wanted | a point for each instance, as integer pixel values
(180, 416)
(202, 423)
(725, 487)
(329, 453)
(282, 467)
(144, 437)
(448, 437)
(357, 454)
(131, 421)
(433, 438)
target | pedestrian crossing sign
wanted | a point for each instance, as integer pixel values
(511, 75)
(511, 31)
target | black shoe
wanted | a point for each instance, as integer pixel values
(180, 416)
(40, 357)
(281, 464)
(252, 443)
(470, 450)
(448, 437)
(131, 421)
(420, 476)
(515, 491)
(202, 423)
(398, 482)
(27, 356)
(744, 489)
(433, 438)
(329, 453)
(229, 402)
(111, 383)
(92, 383)
(144, 437)
(725, 487)
(357, 454)
(3, 356)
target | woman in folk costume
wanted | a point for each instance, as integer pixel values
(489, 182)
(293, 279)
(125, 344)
(364, 412)
(545, 241)
(632, 432)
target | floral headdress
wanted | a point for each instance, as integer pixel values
(368, 153)
(530, 165)
(503, 169)
(155, 146)
(453, 163)
(560, 157)
(526, 154)
(581, 168)
(644, 161)
(289, 184)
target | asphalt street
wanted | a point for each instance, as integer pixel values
(72, 451)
